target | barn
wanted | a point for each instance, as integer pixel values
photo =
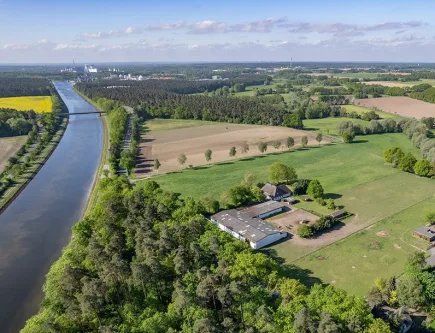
(252, 230)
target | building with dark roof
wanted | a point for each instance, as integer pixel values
(338, 214)
(426, 233)
(254, 231)
(276, 192)
(264, 209)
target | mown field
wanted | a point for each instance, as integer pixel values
(8, 148)
(25, 103)
(360, 110)
(355, 175)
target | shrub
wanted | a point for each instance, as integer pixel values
(300, 187)
(430, 218)
(423, 168)
(304, 231)
(392, 152)
(321, 201)
(325, 222)
(347, 137)
(330, 204)
(407, 163)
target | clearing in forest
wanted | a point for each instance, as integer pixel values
(193, 141)
(26, 103)
(403, 106)
(8, 148)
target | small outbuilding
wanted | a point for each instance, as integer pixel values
(276, 192)
(338, 214)
(426, 233)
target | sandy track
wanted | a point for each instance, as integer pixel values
(8, 148)
(403, 106)
(194, 141)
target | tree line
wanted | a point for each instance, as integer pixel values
(147, 261)
(24, 86)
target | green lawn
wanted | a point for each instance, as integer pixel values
(329, 125)
(357, 75)
(355, 262)
(432, 82)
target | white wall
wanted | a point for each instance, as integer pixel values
(268, 240)
(272, 212)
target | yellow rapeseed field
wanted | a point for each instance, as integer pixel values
(25, 103)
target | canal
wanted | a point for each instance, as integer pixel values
(37, 225)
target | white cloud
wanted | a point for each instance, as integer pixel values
(112, 33)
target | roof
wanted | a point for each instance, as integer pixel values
(337, 213)
(426, 231)
(262, 208)
(275, 191)
(431, 260)
(251, 228)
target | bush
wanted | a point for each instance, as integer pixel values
(391, 153)
(325, 222)
(321, 201)
(347, 137)
(407, 163)
(423, 168)
(304, 231)
(300, 187)
(330, 204)
(315, 189)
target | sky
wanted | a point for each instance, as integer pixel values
(95, 31)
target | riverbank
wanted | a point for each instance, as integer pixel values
(93, 197)
(23, 180)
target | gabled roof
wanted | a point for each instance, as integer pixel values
(427, 231)
(251, 228)
(275, 191)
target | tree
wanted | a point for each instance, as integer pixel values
(182, 159)
(392, 152)
(423, 168)
(327, 324)
(378, 326)
(303, 322)
(304, 231)
(249, 179)
(233, 151)
(374, 297)
(280, 173)
(128, 161)
(407, 163)
(415, 262)
(293, 120)
(245, 147)
(319, 137)
(430, 218)
(262, 147)
(208, 154)
(289, 142)
(347, 137)
(304, 141)
(315, 189)
(330, 204)
(410, 292)
(156, 164)
(276, 144)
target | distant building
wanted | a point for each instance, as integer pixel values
(426, 233)
(216, 77)
(254, 231)
(91, 69)
(276, 192)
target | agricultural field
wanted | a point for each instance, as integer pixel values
(329, 126)
(392, 83)
(25, 103)
(402, 106)
(360, 110)
(8, 148)
(356, 176)
(166, 145)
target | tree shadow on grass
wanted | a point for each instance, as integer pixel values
(310, 129)
(289, 270)
(224, 163)
(359, 141)
(332, 196)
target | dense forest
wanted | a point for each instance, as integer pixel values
(15, 87)
(13, 122)
(147, 261)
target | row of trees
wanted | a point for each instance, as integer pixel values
(118, 122)
(128, 158)
(408, 163)
(13, 122)
(24, 86)
(147, 261)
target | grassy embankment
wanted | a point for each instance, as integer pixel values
(357, 177)
(37, 103)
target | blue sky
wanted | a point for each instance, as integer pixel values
(275, 30)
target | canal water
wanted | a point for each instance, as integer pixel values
(37, 225)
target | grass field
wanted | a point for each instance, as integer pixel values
(25, 103)
(8, 148)
(361, 110)
(329, 125)
(169, 124)
(378, 251)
